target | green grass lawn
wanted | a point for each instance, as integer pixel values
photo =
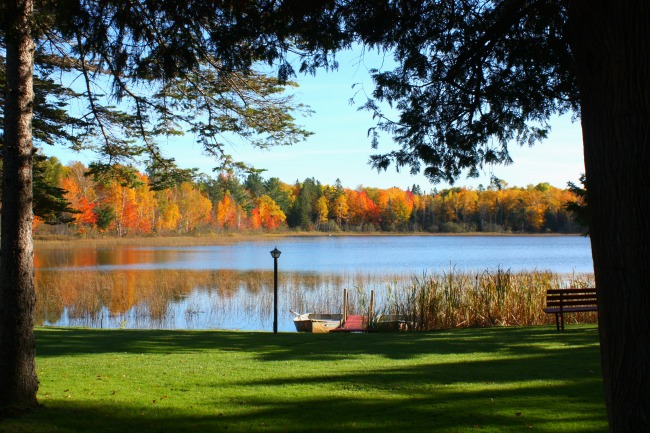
(468, 380)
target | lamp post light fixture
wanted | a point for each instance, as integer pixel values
(275, 254)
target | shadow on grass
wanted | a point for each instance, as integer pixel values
(304, 346)
(439, 410)
(495, 379)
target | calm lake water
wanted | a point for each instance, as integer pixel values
(375, 254)
(230, 286)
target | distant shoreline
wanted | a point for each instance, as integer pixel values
(230, 238)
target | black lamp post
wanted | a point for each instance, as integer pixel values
(275, 254)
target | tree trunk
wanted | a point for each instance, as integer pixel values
(18, 381)
(611, 45)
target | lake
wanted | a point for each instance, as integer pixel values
(230, 286)
(343, 254)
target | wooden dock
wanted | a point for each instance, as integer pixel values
(353, 323)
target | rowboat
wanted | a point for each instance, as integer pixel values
(318, 323)
(393, 322)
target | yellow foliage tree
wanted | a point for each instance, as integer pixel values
(194, 208)
(322, 210)
(168, 215)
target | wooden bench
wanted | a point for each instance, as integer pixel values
(560, 301)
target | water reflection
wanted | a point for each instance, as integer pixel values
(181, 299)
(105, 258)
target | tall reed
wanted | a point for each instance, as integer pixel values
(454, 299)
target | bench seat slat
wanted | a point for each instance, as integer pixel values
(571, 302)
(570, 309)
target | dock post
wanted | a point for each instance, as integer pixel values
(345, 305)
(371, 309)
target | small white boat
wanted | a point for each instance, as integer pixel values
(318, 323)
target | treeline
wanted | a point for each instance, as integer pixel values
(99, 204)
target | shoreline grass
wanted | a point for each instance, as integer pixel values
(62, 241)
(464, 380)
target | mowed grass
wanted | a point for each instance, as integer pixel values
(463, 380)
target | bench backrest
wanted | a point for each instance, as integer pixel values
(571, 297)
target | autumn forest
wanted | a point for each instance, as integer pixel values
(99, 204)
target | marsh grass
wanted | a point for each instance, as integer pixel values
(455, 299)
(490, 380)
(227, 299)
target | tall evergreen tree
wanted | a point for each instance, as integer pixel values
(472, 77)
(278, 194)
(255, 185)
(170, 67)
(299, 215)
(50, 203)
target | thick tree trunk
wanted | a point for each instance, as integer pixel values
(611, 43)
(18, 381)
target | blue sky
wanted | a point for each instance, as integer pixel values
(340, 148)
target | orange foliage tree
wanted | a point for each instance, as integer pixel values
(396, 207)
(146, 206)
(267, 214)
(81, 194)
(122, 201)
(229, 214)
